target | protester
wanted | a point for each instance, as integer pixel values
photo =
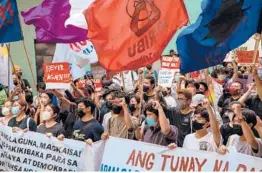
(21, 121)
(203, 119)
(121, 124)
(86, 127)
(50, 127)
(180, 116)
(6, 111)
(170, 100)
(244, 141)
(150, 72)
(148, 88)
(158, 130)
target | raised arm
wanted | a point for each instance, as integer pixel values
(258, 82)
(213, 122)
(163, 121)
(245, 96)
(235, 68)
(127, 116)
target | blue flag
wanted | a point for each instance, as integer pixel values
(222, 26)
(10, 29)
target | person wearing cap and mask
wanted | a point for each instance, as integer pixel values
(202, 139)
(121, 124)
(87, 127)
(245, 141)
(21, 121)
(6, 111)
(23, 82)
(158, 130)
(50, 127)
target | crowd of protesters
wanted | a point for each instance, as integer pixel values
(218, 112)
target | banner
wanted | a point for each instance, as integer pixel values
(166, 77)
(139, 156)
(57, 75)
(170, 62)
(36, 152)
(246, 57)
(4, 68)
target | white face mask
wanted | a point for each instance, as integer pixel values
(46, 116)
(6, 111)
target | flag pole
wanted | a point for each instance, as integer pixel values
(123, 80)
(257, 39)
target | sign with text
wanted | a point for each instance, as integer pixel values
(138, 156)
(81, 83)
(37, 152)
(57, 75)
(170, 62)
(246, 57)
(166, 77)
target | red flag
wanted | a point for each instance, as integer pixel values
(129, 34)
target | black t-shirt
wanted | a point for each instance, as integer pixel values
(56, 129)
(226, 131)
(254, 103)
(181, 121)
(91, 129)
(27, 122)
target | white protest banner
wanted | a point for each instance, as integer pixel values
(36, 152)
(139, 156)
(57, 75)
(166, 77)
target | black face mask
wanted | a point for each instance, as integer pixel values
(116, 109)
(109, 105)
(149, 67)
(197, 126)
(164, 93)
(237, 129)
(132, 107)
(15, 83)
(145, 88)
(80, 113)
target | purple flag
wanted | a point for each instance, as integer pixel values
(58, 21)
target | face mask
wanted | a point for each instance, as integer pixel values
(145, 88)
(15, 110)
(164, 93)
(149, 67)
(15, 83)
(132, 107)
(233, 91)
(20, 73)
(109, 105)
(237, 129)
(80, 113)
(46, 116)
(180, 104)
(197, 126)
(150, 122)
(5, 111)
(116, 109)
(221, 77)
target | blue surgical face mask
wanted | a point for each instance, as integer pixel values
(150, 121)
(15, 110)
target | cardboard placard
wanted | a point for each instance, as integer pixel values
(170, 62)
(81, 83)
(57, 75)
(246, 57)
(166, 77)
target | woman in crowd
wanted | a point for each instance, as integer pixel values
(21, 121)
(6, 111)
(50, 127)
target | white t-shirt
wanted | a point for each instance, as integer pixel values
(130, 81)
(206, 143)
(107, 116)
(170, 101)
(243, 146)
